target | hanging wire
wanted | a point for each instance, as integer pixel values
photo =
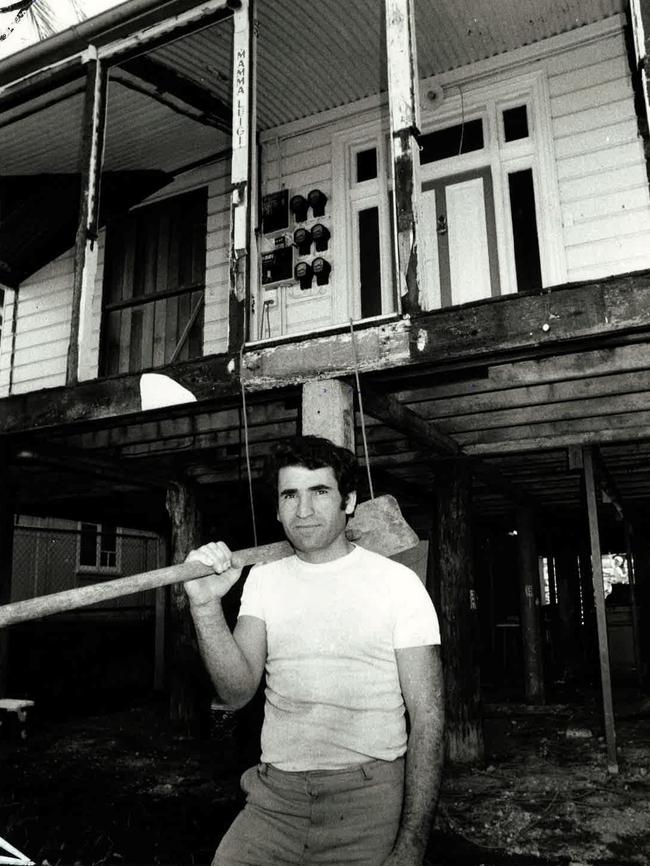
(462, 119)
(360, 399)
(246, 444)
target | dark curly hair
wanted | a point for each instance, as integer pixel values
(315, 452)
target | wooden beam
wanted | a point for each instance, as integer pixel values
(85, 257)
(601, 618)
(603, 313)
(403, 98)
(419, 430)
(134, 38)
(394, 414)
(86, 462)
(584, 316)
(118, 397)
(166, 79)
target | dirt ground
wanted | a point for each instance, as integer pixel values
(120, 788)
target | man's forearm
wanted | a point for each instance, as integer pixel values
(228, 667)
(424, 758)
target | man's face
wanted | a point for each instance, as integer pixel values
(309, 509)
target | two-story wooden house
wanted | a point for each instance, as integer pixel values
(206, 208)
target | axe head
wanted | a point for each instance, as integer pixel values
(378, 525)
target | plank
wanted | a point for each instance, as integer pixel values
(542, 403)
(601, 619)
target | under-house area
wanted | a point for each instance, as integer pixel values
(419, 229)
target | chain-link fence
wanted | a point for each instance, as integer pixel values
(54, 555)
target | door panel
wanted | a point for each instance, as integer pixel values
(458, 240)
(469, 262)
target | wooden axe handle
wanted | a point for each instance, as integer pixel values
(377, 525)
(69, 599)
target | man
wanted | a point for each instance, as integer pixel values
(349, 640)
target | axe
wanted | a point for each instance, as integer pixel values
(377, 525)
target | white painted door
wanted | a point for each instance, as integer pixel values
(458, 254)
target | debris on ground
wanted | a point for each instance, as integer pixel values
(120, 788)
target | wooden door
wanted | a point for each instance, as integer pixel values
(459, 261)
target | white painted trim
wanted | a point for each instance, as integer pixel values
(336, 328)
(349, 199)
(142, 37)
(547, 190)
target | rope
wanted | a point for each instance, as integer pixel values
(360, 399)
(246, 445)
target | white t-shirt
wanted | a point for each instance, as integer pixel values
(333, 697)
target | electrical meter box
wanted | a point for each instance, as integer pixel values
(277, 265)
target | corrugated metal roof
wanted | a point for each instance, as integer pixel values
(46, 141)
(312, 57)
(451, 35)
(142, 133)
(316, 56)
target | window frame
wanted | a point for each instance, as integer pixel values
(109, 365)
(98, 568)
(357, 196)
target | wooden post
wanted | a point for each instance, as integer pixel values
(6, 559)
(451, 583)
(161, 614)
(601, 619)
(639, 21)
(85, 256)
(185, 666)
(328, 410)
(569, 649)
(404, 129)
(631, 576)
(243, 138)
(641, 553)
(531, 627)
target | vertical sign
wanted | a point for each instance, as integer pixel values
(240, 127)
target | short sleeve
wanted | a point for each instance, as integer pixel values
(252, 598)
(416, 622)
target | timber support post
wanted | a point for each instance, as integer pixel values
(85, 254)
(451, 584)
(404, 129)
(641, 554)
(530, 607)
(634, 606)
(242, 186)
(569, 652)
(6, 559)
(601, 618)
(185, 666)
